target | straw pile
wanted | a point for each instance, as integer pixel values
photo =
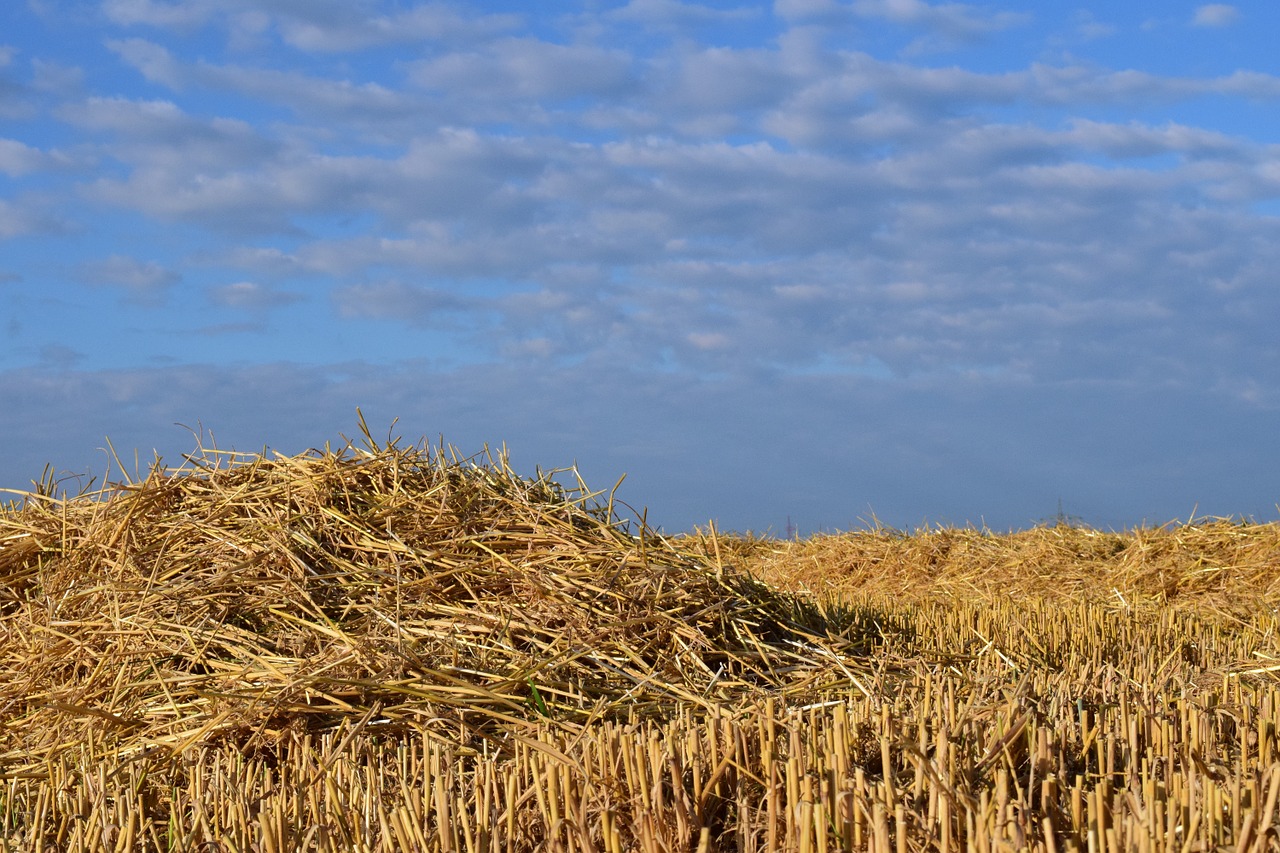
(246, 599)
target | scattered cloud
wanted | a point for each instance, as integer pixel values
(415, 305)
(324, 26)
(153, 61)
(12, 223)
(526, 69)
(1089, 28)
(56, 78)
(143, 281)
(222, 330)
(60, 356)
(714, 229)
(250, 295)
(1215, 15)
(952, 20)
(337, 26)
(17, 158)
(29, 214)
(180, 14)
(372, 105)
(673, 15)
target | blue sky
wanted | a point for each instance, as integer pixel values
(837, 260)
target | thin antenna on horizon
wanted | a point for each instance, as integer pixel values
(791, 528)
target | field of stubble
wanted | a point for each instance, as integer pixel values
(394, 648)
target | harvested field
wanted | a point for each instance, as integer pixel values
(380, 647)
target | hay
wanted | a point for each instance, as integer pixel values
(240, 598)
(1209, 565)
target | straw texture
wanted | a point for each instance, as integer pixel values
(381, 648)
(1220, 565)
(246, 598)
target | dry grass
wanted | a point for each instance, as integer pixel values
(388, 648)
(1215, 564)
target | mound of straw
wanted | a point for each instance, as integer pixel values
(240, 598)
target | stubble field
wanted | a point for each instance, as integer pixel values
(379, 647)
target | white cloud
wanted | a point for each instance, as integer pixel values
(29, 214)
(320, 26)
(1089, 28)
(867, 101)
(709, 340)
(266, 262)
(381, 111)
(337, 26)
(1002, 215)
(392, 299)
(182, 14)
(60, 356)
(56, 78)
(17, 158)
(164, 130)
(12, 221)
(1138, 140)
(249, 30)
(1249, 84)
(792, 9)
(955, 20)
(145, 281)
(726, 81)
(1215, 15)
(250, 295)
(674, 14)
(523, 68)
(220, 174)
(155, 62)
